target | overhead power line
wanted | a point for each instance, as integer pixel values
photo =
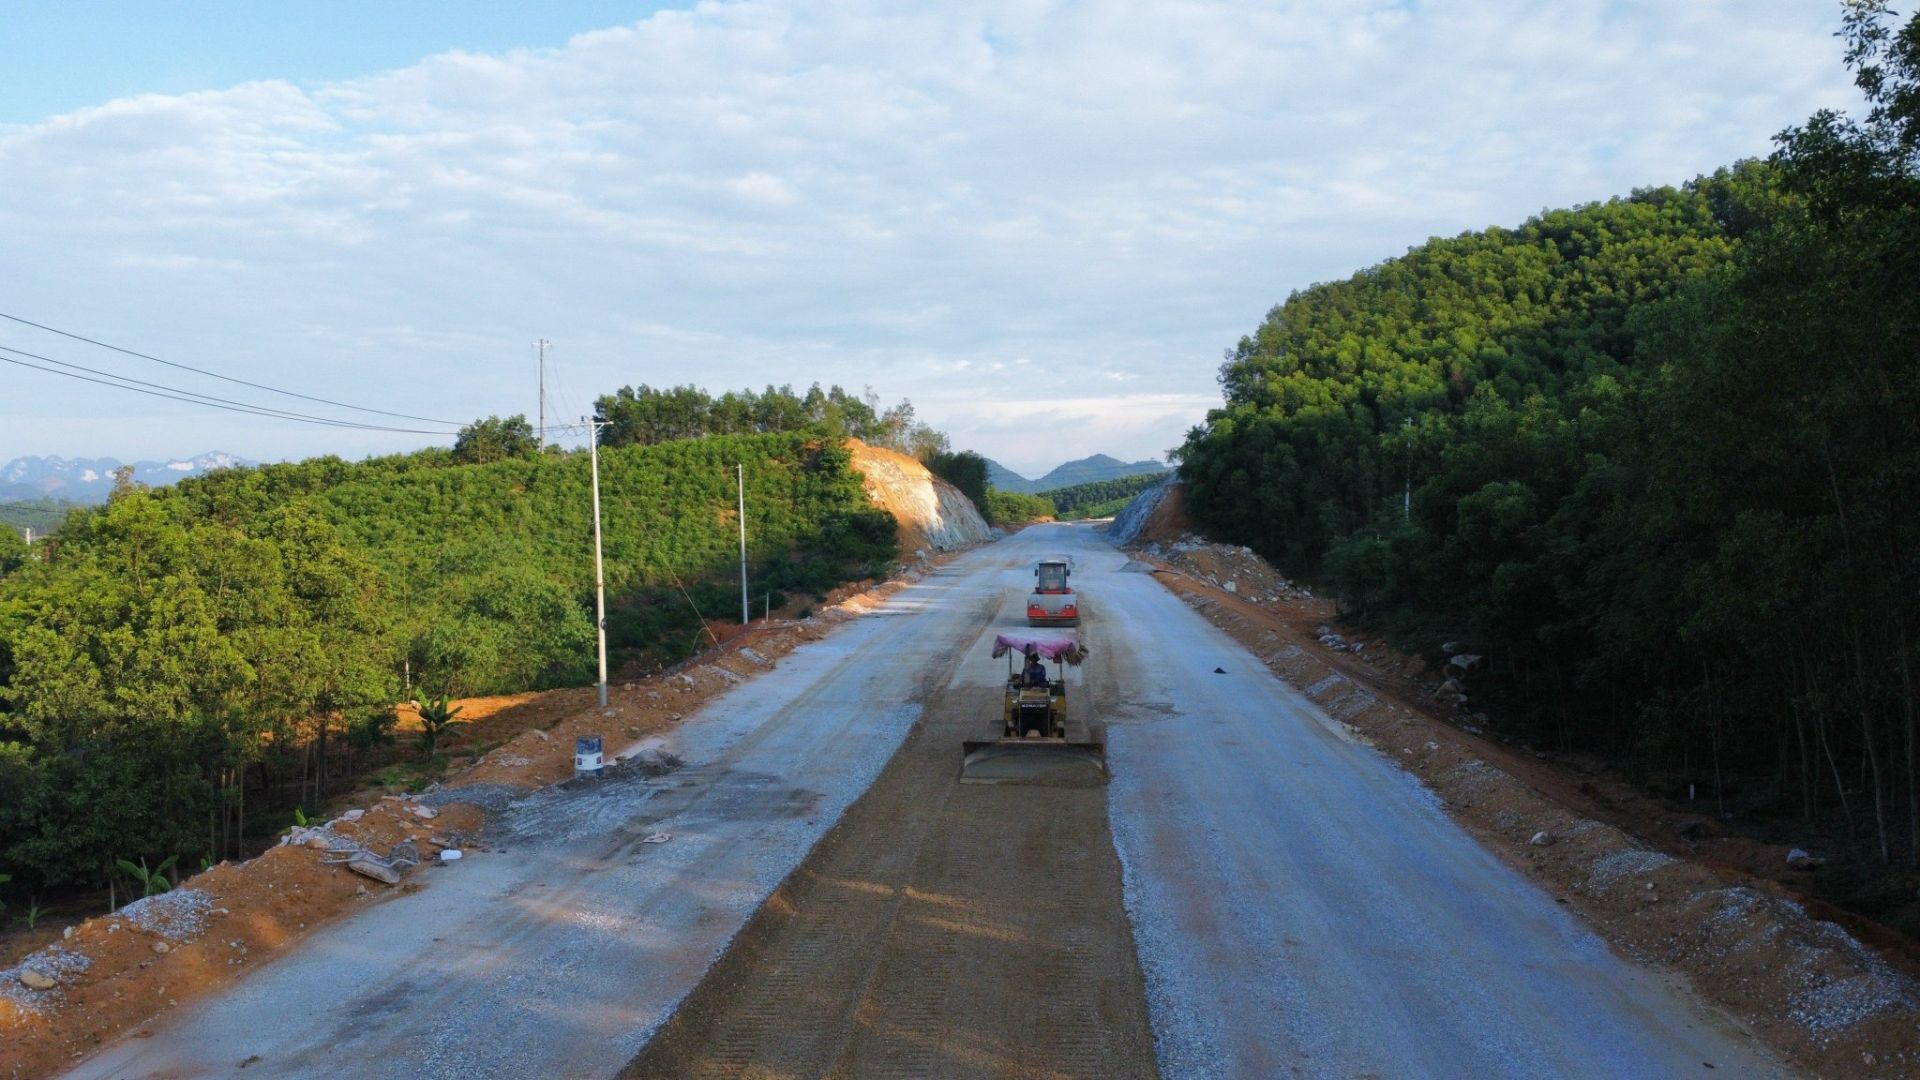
(191, 398)
(229, 378)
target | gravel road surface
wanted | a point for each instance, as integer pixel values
(1302, 906)
(559, 952)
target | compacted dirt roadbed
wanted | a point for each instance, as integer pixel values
(941, 929)
(1288, 902)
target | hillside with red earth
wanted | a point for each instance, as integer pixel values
(933, 514)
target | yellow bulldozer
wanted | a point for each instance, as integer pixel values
(1033, 745)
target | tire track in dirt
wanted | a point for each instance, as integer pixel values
(938, 930)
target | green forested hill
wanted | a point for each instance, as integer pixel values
(1099, 497)
(43, 515)
(176, 646)
(1331, 400)
(1663, 455)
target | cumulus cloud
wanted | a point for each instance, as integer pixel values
(1101, 196)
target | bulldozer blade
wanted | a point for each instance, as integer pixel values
(1049, 762)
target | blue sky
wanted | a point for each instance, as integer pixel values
(65, 55)
(1041, 221)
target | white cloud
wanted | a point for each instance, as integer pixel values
(1100, 195)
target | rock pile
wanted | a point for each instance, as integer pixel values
(49, 969)
(1227, 567)
(178, 915)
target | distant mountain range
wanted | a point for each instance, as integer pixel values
(1084, 471)
(89, 480)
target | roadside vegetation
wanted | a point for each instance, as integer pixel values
(182, 668)
(1656, 458)
(1011, 509)
(1099, 498)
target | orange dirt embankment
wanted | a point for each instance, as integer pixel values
(933, 514)
(111, 977)
(1649, 879)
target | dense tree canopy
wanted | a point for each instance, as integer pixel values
(238, 632)
(13, 550)
(1015, 508)
(493, 439)
(965, 470)
(643, 416)
(1657, 457)
(1099, 498)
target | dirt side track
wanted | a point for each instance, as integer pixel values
(940, 929)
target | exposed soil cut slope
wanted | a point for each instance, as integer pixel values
(933, 514)
(1158, 513)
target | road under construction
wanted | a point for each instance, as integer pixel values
(1252, 893)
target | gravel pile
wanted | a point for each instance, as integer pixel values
(1236, 570)
(1616, 865)
(55, 962)
(1838, 982)
(1737, 905)
(177, 915)
(1841, 1004)
(1845, 982)
(650, 762)
(1475, 776)
(317, 836)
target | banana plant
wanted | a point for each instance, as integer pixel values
(435, 719)
(152, 882)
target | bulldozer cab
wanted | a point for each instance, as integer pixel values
(1036, 705)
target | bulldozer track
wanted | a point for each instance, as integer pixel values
(938, 930)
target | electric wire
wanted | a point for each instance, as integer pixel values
(217, 402)
(560, 389)
(176, 394)
(231, 379)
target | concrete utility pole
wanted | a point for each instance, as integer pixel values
(540, 346)
(599, 573)
(740, 476)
